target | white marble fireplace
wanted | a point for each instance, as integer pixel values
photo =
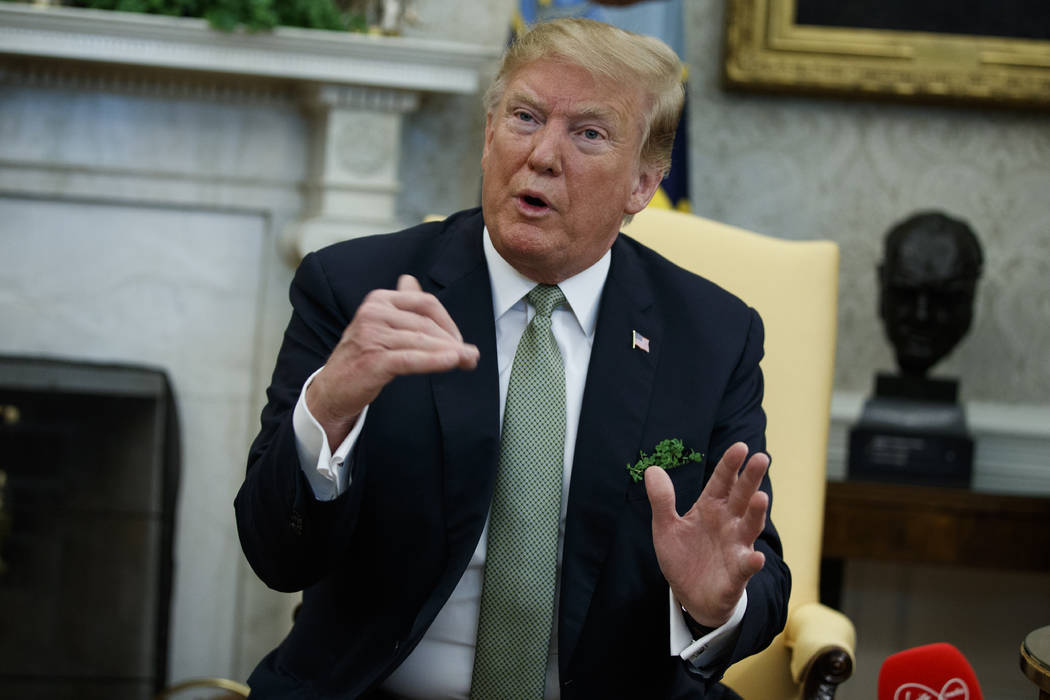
(158, 180)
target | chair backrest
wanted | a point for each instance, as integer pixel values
(794, 286)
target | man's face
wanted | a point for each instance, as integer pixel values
(561, 168)
(927, 298)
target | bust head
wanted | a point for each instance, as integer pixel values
(928, 278)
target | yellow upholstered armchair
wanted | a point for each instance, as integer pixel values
(204, 689)
(793, 285)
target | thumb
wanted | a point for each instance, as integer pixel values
(660, 490)
(408, 283)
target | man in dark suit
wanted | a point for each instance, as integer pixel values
(383, 456)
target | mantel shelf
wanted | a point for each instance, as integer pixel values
(312, 56)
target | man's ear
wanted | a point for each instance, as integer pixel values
(645, 186)
(489, 131)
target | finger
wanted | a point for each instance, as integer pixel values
(397, 340)
(427, 306)
(660, 490)
(752, 564)
(380, 323)
(401, 362)
(391, 340)
(411, 297)
(382, 337)
(408, 283)
(408, 310)
(748, 482)
(754, 520)
(468, 356)
(723, 478)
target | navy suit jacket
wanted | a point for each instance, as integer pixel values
(377, 564)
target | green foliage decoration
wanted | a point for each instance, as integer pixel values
(667, 454)
(253, 15)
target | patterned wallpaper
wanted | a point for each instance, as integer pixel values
(802, 168)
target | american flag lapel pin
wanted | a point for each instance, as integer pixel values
(639, 341)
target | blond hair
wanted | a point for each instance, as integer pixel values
(609, 52)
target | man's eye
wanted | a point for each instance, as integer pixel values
(524, 116)
(591, 134)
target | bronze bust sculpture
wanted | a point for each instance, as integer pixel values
(913, 429)
(927, 281)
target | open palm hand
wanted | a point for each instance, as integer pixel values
(708, 554)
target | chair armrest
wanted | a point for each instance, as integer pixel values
(821, 643)
(232, 689)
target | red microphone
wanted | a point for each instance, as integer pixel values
(931, 672)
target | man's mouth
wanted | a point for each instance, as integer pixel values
(533, 201)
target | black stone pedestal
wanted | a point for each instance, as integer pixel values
(912, 430)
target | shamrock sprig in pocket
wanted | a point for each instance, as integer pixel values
(668, 454)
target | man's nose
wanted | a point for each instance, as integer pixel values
(545, 156)
(922, 306)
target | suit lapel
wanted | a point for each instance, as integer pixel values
(467, 403)
(612, 418)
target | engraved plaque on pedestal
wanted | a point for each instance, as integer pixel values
(912, 431)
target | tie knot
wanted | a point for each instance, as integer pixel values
(546, 298)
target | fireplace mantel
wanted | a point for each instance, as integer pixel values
(286, 53)
(355, 88)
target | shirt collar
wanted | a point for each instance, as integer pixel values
(583, 290)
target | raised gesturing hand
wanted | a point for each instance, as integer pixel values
(708, 554)
(394, 332)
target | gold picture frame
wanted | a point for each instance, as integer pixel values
(765, 49)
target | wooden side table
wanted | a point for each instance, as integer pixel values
(1035, 660)
(930, 525)
(936, 525)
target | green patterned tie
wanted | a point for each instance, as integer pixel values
(517, 598)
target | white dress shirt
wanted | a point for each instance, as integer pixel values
(441, 665)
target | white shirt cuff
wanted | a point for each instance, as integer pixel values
(326, 471)
(703, 651)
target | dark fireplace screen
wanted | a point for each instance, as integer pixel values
(88, 478)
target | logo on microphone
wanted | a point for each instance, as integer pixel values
(955, 689)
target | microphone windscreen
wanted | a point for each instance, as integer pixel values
(931, 672)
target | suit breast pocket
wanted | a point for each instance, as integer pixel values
(688, 480)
